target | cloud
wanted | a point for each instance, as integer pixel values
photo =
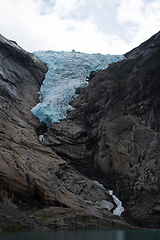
(141, 18)
(57, 25)
(84, 25)
(20, 20)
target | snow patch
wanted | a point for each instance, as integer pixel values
(41, 138)
(99, 184)
(105, 204)
(119, 209)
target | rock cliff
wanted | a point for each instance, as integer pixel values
(32, 175)
(113, 135)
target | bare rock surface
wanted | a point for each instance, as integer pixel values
(32, 175)
(113, 135)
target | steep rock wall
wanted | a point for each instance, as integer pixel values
(113, 134)
(32, 174)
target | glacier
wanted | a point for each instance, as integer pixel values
(67, 75)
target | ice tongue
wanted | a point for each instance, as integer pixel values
(67, 75)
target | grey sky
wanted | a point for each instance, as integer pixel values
(105, 26)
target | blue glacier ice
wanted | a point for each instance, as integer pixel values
(67, 74)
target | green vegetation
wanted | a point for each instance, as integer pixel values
(13, 227)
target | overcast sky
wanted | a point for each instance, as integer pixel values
(92, 26)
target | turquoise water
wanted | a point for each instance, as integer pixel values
(84, 235)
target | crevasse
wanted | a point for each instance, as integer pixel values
(67, 75)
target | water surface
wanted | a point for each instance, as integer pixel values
(84, 235)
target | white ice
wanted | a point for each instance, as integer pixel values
(119, 209)
(41, 138)
(67, 75)
(105, 204)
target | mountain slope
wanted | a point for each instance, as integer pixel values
(112, 136)
(113, 133)
(32, 175)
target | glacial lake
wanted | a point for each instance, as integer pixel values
(83, 235)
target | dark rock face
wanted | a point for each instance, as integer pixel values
(113, 134)
(32, 174)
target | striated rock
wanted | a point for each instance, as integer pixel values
(113, 135)
(78, 218)
(68, 140)
(12, 219)
(31, 173)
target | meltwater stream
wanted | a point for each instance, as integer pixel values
(67, 75)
